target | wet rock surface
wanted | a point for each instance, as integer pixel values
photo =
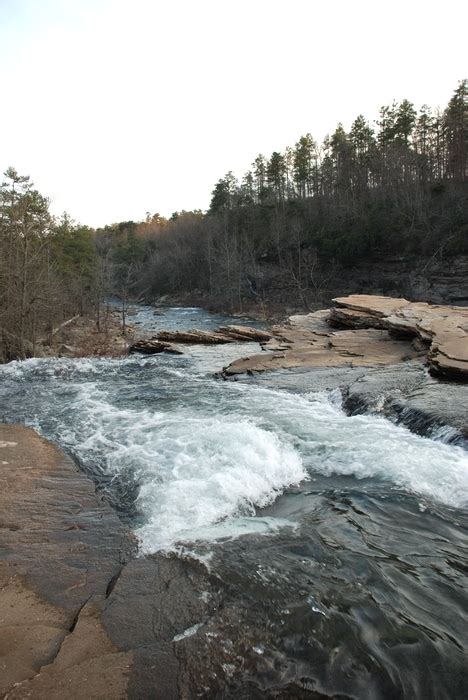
(60, 548)
(407, 393)
(79, 615)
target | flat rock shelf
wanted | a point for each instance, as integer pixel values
(362, 330)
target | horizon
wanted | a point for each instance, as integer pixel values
(95, 136)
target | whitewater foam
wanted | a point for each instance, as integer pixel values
(207, 455)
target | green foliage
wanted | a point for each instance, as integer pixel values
(73, 249)
(47, 268)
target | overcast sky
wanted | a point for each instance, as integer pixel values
(116, 108)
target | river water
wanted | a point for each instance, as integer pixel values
(343, 540)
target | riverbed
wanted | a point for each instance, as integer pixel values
(341, 541)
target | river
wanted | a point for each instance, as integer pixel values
(343, 540)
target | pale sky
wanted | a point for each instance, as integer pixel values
(119, 107)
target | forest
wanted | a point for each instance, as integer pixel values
(396, 187)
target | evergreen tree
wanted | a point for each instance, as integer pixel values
(455, 124)
(276, 175)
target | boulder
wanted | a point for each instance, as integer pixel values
(152, 346)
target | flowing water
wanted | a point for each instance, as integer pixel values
(345, 538)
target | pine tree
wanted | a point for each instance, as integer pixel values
(455, 122)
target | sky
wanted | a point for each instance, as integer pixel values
(118, 108)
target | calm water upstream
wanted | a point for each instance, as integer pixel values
(345, 537)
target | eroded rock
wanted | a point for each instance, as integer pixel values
(309, 341)
(365, 330)
(443, 328)
(164, 340)
(245, 333)
(60, 547)
(152, 346)
(194, 336)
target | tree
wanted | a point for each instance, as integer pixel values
(25, 227)
(363, 146)
(259, 167)
(455, 123)
(224, 193)
(405, 120)
(305, 163)
(276, 175)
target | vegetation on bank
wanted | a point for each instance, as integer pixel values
(399, 187)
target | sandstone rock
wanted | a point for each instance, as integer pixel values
(60, 549)
(443, 328)
(79, 617)
(224, 334)
(381, 330)
(194, 336)
(151, 346)
(309, 341)
(245, 333)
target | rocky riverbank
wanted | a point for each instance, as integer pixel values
(80, 617)
(372, 331)
(407, 360)
(83, 336)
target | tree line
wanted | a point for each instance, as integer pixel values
(398, 187)
(395, 188)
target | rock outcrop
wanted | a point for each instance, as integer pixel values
(193, 337)
(245, 333)
(443, 328)
(164, 340)
(309, 341)
(80, 616)
(368, 331)
(439, 281)
(61, 548)
(152, 346)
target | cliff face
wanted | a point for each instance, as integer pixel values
(427, 279)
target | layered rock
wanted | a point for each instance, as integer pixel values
(164, 340)
(309, 341)
(193, 337)
(245, 333)
(443, 328)
(152, 346)
(407, 393)
(368, 331)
